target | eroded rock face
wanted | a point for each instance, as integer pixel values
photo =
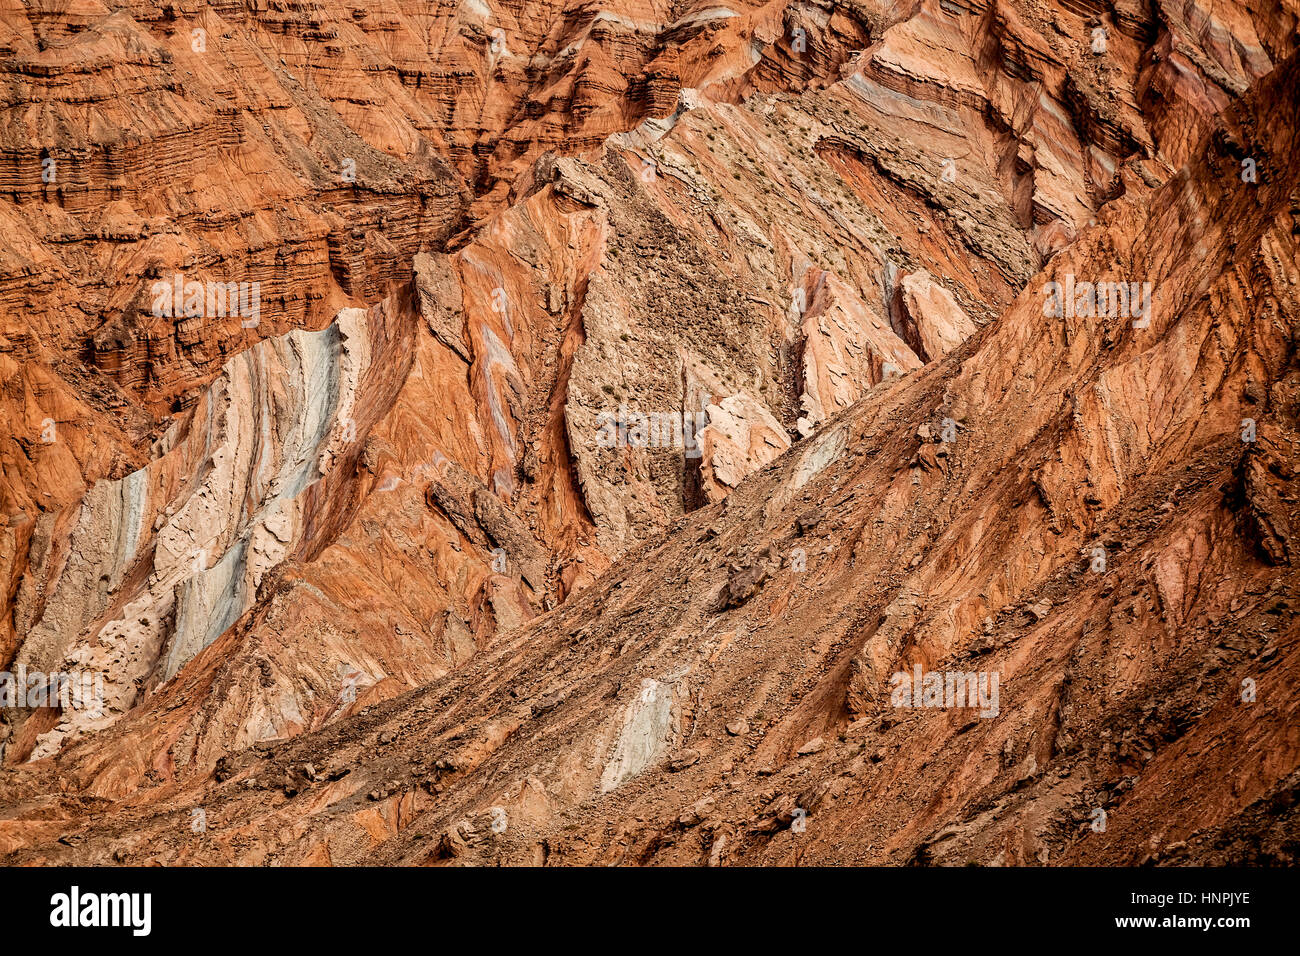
(932, 323)
(627, 403)
(741, 437)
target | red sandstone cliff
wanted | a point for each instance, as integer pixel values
(363, 573)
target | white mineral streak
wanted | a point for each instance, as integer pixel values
(647, 729)
(191, 535)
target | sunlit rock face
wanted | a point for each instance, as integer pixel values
(588, 413)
